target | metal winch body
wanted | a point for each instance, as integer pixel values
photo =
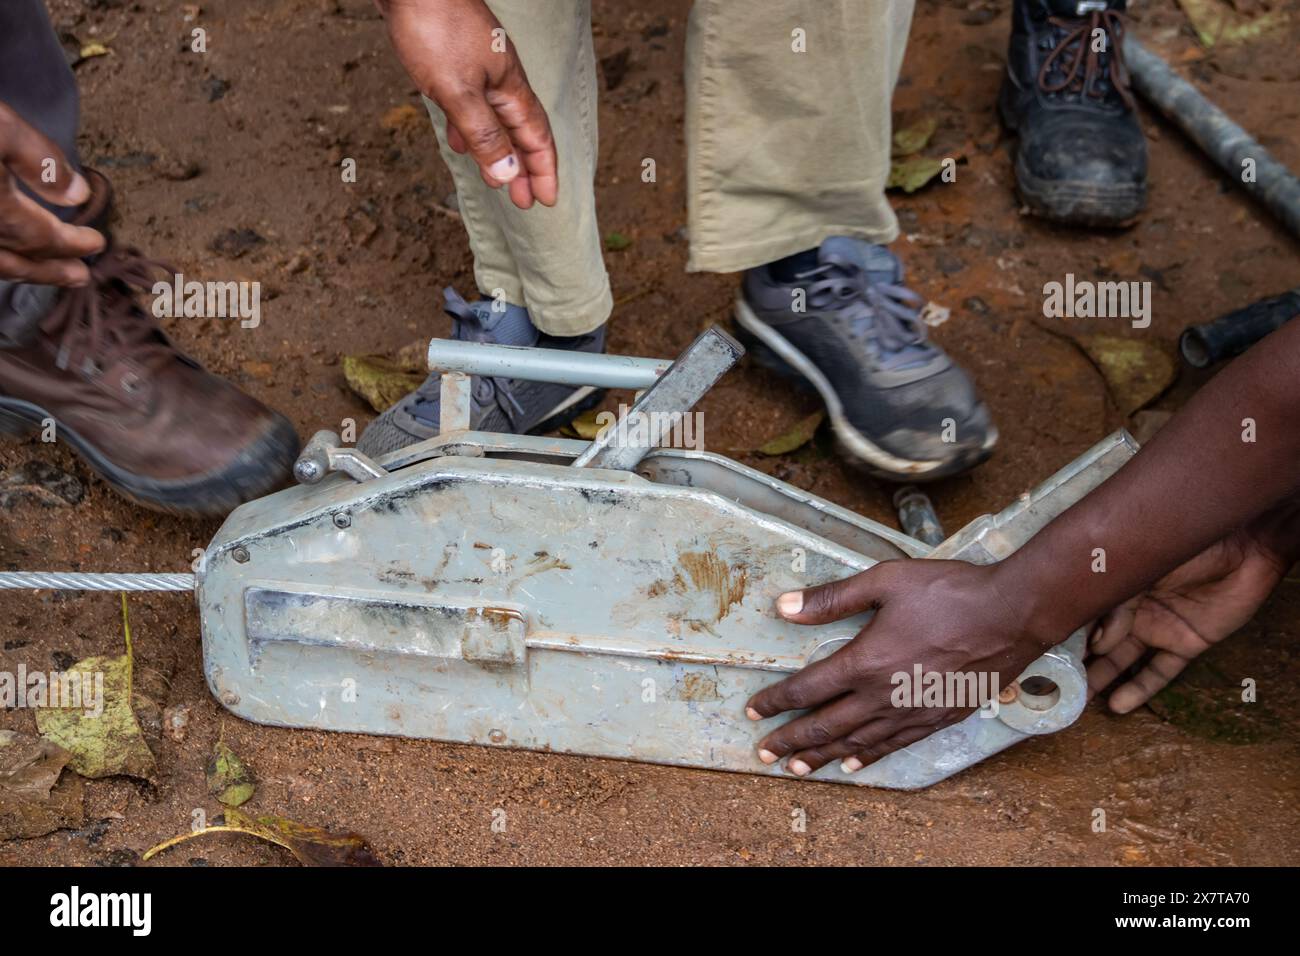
(588, 598)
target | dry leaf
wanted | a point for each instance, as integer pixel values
(92, 49)
(796, 437)
(912, 173)
(103, 736)
(1217, 23)
(29, 805)
(312, 846)
(1136, 371)
(379, 380)
(914, 138)
(229, 779)
(584, 426)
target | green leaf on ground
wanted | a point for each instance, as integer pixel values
(798, 436)
(913, 172)
(100, 730)
(229, 779)
(380, 381)
(312, 846)
(1215, 22)
(617, 242)
(914, 138)
(1136, 371)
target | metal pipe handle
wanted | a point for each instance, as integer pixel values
(557, 366)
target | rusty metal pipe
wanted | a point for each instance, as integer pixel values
(1226, 143)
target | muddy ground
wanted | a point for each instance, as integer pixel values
(249, 136)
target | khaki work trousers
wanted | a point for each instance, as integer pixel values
(787, 130)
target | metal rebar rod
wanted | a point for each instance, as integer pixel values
(558, 366)
(77, 581)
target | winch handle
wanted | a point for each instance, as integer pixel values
(557, 366)
(669, 389)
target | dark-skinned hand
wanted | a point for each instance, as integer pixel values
(1183, 614)
(947, 616)
(458, 55)
(35, 245)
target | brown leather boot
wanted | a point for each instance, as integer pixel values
(150, 420)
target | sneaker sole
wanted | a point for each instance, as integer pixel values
(259, 469)
(1073, 203)
(776, 352)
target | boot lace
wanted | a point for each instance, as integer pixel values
(100, 323)
(885, 314)
(1080, 68)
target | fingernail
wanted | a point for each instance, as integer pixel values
(79, 189)
(504, 169)
(799, 768)
(851, 765)
(790, 603)
(767, 756)
(1120, 705)
(752, 714)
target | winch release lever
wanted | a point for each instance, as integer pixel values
(324, 454)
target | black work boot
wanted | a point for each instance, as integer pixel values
(1082, 157)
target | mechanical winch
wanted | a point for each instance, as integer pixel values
(612, 598)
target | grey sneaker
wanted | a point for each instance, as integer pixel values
(499, 404)
(898, 405)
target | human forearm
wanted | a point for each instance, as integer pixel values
(952, 617)
(1198, 480)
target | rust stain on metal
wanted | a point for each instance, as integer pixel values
(489, 654)
(710, 573)
(661, 587)
(698, 687)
